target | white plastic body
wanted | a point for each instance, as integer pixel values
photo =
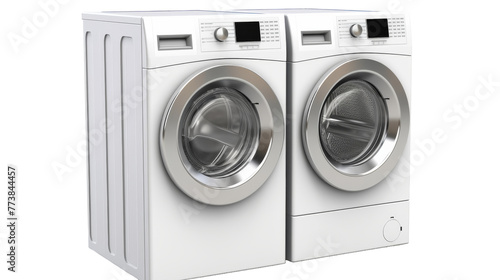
(317, 213)
(308, 193)
(138, 218)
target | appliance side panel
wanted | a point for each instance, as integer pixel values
(146, 170)
(97, 152)
(289, 155)
(115, 134)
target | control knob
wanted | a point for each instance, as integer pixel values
(356, 30)
(221, 34)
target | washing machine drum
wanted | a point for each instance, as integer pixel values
(356, 124)
(222, 134)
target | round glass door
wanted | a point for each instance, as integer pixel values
(353, 123)
(222, 134)
(356, 124)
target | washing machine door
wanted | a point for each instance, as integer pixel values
(222, 134)
(356, 124)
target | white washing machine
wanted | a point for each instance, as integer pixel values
(185, 114)
(348, 101)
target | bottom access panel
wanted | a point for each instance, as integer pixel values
(344, 231)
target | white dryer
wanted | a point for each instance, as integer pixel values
(185, 114)
(348, 102)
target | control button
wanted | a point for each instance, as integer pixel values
(356, 30)
(392, 230)
(221, 34)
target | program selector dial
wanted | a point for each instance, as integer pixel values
(221, 34)
(356, 30)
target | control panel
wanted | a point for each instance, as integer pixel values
(371, 31)
(233, 35)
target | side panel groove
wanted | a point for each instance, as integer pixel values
(132, 116)
(88, 65)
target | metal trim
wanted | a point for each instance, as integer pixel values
(368, 173)
(234, 188)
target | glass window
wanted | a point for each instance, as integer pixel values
(353, 123)
(221, 132)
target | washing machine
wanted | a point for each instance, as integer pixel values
(348, 102)
(186, 130)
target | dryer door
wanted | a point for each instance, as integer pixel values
(356, 124)
(222, 134)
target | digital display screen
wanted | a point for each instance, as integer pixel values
(377, 28)
(247, 31)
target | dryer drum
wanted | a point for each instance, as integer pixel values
(353, 122)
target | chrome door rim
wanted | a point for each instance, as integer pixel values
(371, 172)
(231, 189)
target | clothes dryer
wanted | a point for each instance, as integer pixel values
(348, 126)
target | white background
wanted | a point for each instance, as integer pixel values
(455, 209)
